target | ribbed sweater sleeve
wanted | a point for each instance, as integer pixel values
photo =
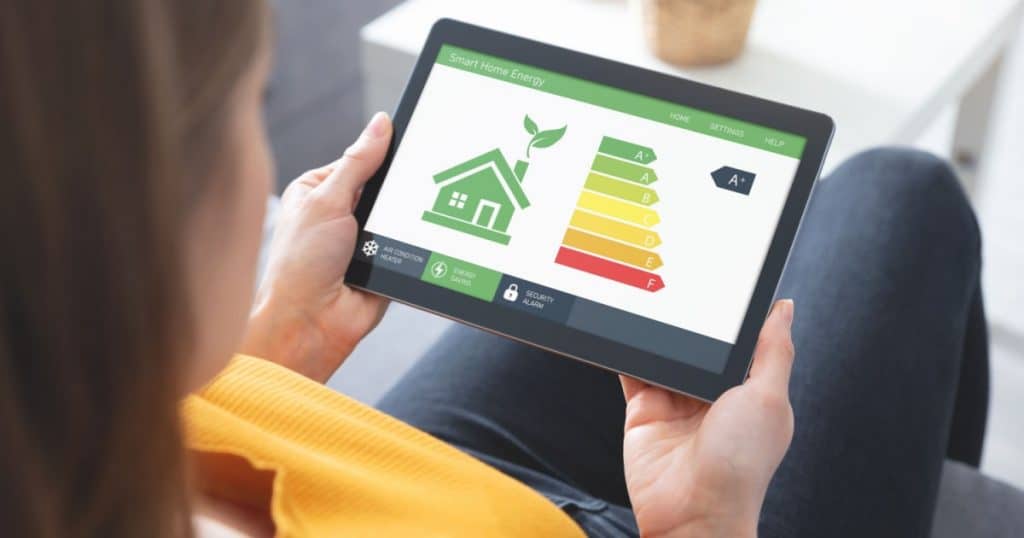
(341, 468)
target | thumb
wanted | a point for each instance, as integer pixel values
(773, 357)
(359, 162)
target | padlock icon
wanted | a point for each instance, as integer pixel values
(512, 293)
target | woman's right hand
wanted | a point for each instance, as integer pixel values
(699, 469)
(305, 316)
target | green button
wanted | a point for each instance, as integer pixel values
(460, 276)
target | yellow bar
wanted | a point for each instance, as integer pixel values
(616, 230)
(618, 209)
(611, 249)
(630, 192)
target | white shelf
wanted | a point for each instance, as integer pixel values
(882, 69)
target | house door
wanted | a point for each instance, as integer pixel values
(486, 213)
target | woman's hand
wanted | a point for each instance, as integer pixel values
(697, 469)
(305, 317)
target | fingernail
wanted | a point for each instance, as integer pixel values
(378, 125)
(786, 308)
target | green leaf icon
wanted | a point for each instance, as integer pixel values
(531, 127)
(545, 139)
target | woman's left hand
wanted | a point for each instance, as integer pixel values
(698, 469)
(305, 317)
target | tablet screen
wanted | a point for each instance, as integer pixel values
(635, 219)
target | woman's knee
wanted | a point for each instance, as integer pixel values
(902, 172)
(911, 189)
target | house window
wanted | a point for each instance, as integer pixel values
(458, 200)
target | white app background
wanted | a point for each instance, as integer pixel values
(714, 241)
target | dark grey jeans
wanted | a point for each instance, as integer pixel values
(890, 378)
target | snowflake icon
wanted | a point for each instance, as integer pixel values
(370, 248)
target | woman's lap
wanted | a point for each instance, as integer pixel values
(884, 275)
(552, 423)
(884, 278)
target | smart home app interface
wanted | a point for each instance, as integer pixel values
(635, 219)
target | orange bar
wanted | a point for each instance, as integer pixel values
(593, 244)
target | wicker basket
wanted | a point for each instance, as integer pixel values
(696, 32)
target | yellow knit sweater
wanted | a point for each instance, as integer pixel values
(329, 466)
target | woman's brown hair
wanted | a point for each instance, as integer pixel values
(110, 118)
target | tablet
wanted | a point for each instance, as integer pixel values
(626, 218)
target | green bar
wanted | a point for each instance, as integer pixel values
(621, 189)
(627, 150)
(692, 119)
(461, 276)
(624, 170)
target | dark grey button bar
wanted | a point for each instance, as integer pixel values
(595, 318)
(649, 335)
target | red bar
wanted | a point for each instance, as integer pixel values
(609, 269)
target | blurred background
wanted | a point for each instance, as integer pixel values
(943, 75)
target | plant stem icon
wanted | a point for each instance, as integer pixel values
(480, 196)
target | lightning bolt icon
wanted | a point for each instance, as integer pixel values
(439, 269)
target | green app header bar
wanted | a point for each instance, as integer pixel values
(619, 100)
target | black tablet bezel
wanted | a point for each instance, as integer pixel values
(669, 373)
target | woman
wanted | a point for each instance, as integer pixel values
(137, 168)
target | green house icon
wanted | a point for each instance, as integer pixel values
(480, 196)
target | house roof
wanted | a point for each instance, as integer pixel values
(504, 173)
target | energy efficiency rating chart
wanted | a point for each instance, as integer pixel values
(610, 233)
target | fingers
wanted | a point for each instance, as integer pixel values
(647, 403)
(773, 357)
(358, 164)
(302, 185)
(630, 386)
